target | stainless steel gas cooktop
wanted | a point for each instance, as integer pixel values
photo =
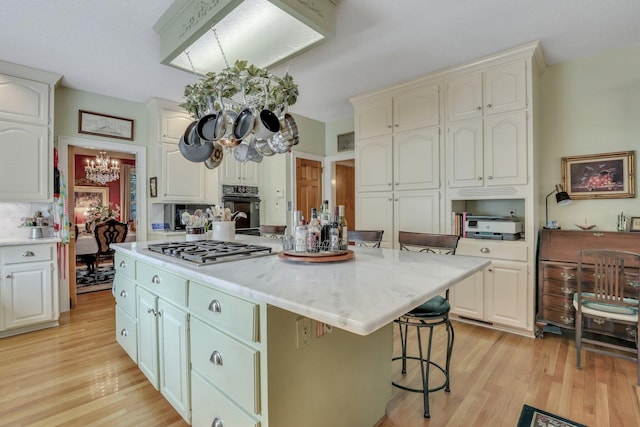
(207, 252)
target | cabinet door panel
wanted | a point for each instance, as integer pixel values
(505, 88)
(417, 211)
(374, 117)
(173, 125)
(374, 211)
(464, 97)
(416, 107)
(373, 164)
(416, 159)
(147, 335)
(24, 164)
(24, 100)
(465, 154)
(27, 295)
(506, 293)
(505, 149)
(182, 180)
(467, 297)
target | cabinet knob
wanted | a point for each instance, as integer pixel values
(216, 358)
(123, 264)
(478, 108)
(123, 293)
(217, 422)
(397, 183)
(479, 178)
(389, 126)
(488, 105)
(389, 184)
(28, 253)
(397, 125)
(124, 332)
(489, 177)
(215, 306)
(485, 250)
(155, 279)
(9, 276)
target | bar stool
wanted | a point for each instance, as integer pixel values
(427, 316)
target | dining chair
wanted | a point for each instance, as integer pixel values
(366, 238)
(274, 231)
(607, 295)
(108, 232)
(434, 312)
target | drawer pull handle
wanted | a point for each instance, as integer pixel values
(567, 291)
(124, 332)
(216, 358)
(154, 312)
(567, 276)
(28, 253)
(155, 280)
(123, 264)
(123, 293)
(599, 321)
(633, 283)
(215, 306)
(566, 305)
(631, 332)
(217, 422)
(485, 250)
(567, 320)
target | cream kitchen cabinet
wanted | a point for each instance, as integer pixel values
(28, 288)
(502, 293)
(235, 172)
(26, 137)
(181, 180)
(489, 152)
(415, 106)
(173, 124)
(417, 211)
(496, 90)
(405, 161)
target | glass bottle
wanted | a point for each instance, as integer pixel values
(335, 232)
(325, 226)
(344, 239)
(300, 233)
(313, 232)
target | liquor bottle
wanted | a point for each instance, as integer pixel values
(300, 234)
(336, 232)
(313, 232)
(325, 226)
(344, 242)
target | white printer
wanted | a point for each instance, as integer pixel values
(493, 227)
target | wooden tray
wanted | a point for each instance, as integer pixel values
(309, 257)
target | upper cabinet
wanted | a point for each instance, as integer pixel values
(494, 91)
(26, 136)
(173, 123)
(411, 108)
(235, 172)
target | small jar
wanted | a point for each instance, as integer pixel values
(195, 233)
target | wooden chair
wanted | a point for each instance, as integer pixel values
(428, 315)
(88, 259)
(274, 231)
(366, 238)
(606, 304)
(108, 232)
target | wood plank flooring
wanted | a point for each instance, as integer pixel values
(77, 375)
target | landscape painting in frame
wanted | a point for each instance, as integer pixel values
(600, 176)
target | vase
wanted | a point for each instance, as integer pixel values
(195, 233)
(224, 231)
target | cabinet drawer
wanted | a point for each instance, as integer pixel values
(27, 253)
(559, 303)
(228, 364)
(560, 273)
(126, 333)
(166, 285)
(125, 292)
(607, 327)
(224, 311)
(559, 288)
(512, 251)
(125, 265)
(208, 404)
(560, 317)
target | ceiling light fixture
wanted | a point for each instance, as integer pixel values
(264, 32)
(102, 170)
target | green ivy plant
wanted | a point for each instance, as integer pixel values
(238, 85)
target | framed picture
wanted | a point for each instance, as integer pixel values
(634, 224)
(346, 141)
(86, 197)
(153, 186)
(600, 176)
(105, 125)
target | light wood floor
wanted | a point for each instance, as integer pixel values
(77, 375)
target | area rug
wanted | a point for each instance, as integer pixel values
(87, 282)
(534, 417)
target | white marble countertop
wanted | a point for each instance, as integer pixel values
(27, 241)
(360, 295)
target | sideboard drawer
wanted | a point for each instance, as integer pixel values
(28, 253)
(227, 312)
(227, 363)
(169, 286)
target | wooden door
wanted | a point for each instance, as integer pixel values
(308, 186)
(346, 191)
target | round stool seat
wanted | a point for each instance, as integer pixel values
(435, 307)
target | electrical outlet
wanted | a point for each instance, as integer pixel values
(303, 332)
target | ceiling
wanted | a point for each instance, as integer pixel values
(109, 47)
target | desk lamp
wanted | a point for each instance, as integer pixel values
(562, 198)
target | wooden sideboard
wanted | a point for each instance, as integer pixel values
(557, 276)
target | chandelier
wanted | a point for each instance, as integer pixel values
(102, 170)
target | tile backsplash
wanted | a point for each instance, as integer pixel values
(12, 213)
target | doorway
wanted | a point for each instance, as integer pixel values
(308, 186)
(67, 147)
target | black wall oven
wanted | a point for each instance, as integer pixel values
(243, 198)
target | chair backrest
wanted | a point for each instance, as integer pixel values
(606, 276)
(272, 230)
(108, 232)
(427, 242)
(368, 238)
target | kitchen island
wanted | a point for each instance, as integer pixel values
(269, 342)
